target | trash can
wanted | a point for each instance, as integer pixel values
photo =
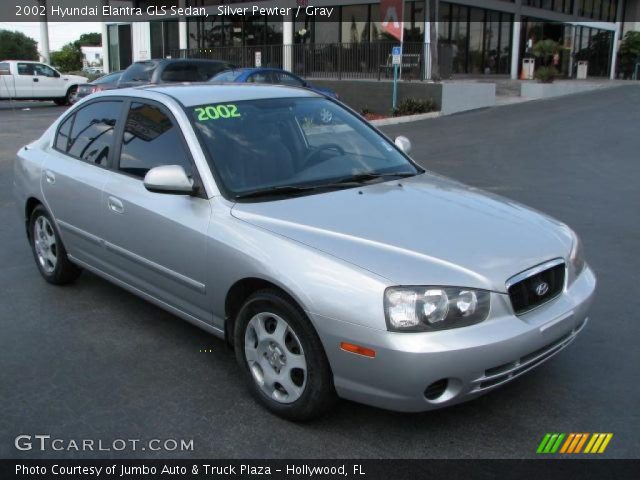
(528, 67)
(583, 67)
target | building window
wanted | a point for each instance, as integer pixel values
(165, 38)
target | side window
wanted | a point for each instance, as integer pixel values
(286, 79)
(151, 139)
(62, 138)
(25, 69)
(44, 70)
(4, 68)
(259, 78)
(180, 72)
(91, 137)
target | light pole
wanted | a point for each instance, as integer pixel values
(44, 34)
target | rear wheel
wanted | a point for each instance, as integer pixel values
(48, 249)
(282, 357)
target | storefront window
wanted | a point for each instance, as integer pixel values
(355, 24)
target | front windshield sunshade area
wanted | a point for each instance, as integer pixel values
(258, 145)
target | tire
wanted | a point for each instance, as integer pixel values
(48, 249)
(68, 98)
(275, 342)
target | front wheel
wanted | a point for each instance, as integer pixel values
(48, 250)
(69, 98)
(282, 357)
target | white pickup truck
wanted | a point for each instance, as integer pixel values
(26, 80)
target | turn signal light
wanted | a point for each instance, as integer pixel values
(357, 349)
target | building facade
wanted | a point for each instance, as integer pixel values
(441, 38)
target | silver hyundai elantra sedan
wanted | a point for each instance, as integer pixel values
(332, 263)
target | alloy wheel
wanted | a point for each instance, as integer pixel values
(45, 244)
(275, 357)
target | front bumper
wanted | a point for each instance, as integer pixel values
(472, 360)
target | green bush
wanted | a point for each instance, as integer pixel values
(546, 74)
(413, 106)
(17, 46)
(82, 73)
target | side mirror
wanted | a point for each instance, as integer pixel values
(403, 143)
(170, 179)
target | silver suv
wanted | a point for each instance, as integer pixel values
(330, 261)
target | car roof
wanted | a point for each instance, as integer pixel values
(190, 94)
(165, 61)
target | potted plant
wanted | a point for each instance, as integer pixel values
(545, 50)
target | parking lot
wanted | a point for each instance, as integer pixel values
(93, 361)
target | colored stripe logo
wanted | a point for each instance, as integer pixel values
(574, 443)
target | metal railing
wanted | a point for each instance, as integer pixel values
(367, 60)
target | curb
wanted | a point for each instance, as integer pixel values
(405, 119)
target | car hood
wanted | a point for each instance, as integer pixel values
(76, 78)
(425, 230)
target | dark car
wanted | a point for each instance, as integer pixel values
(171, 70)
(106, 82)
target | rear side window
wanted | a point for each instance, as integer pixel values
(4, 68)
(62, 138)
(182, 72)
(283, 78)
(229, 76)
(91, 133)
(151, 139)
(260, 77)
(25, 69)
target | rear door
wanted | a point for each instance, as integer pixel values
(156, 242)
(24, 80)
(74, 173)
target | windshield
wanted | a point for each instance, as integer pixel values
(297, 143)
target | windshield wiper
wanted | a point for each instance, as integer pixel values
(360, 178)
(357, 179)
(277, 190)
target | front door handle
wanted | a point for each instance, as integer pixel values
(49, 177)
(36, 80)
(115, 205)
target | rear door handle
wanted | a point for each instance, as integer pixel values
(36, 80)
(49, 177)
(115, 205)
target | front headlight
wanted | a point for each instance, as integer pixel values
(576, 260)
(421, 309)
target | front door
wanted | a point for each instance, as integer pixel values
(156, 242)
(50, 84)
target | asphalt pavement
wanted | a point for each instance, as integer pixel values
(91, 361)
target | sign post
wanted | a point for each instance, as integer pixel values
(396, 61)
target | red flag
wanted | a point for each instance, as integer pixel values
(392, 16)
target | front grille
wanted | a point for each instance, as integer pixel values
(526, 294)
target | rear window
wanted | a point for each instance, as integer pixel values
(109, 78)
(139, 72)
